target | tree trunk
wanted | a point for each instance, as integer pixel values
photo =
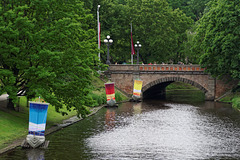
(10, 105)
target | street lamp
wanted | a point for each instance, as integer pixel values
(108, 42)
(138, 46)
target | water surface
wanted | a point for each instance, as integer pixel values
(177, 128)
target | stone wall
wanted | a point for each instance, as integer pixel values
(224, 85)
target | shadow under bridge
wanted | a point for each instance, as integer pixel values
(157, 91)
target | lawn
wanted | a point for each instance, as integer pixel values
(14, 124)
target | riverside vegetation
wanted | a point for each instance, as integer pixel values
(233, 97)
(14, 124)
(49, 49)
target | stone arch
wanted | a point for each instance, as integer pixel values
(173, 79)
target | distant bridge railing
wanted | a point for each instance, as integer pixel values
(157, 68)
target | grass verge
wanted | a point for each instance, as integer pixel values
(236, 103)
(233, 98)
(14, 125)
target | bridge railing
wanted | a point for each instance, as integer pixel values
(158, 67)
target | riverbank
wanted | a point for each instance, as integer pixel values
(67, 122)
(233, 98)
(14, 124)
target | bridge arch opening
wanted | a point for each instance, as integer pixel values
(157, 88)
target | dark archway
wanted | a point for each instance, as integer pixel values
(157, 88)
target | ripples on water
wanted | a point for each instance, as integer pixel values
(149, 130)
(179, 132)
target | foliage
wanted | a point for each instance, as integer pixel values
(236, 103)
(47, 50)
(229, 98)
(99, 99)
(187, 50)
(119, 97)
(159, 29)
(15, 124)
(180, 86)
(98, 95)
(161, 39)
(12, 122)
(192, 8)
(218, 38)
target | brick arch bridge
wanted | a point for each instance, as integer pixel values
(157, 77)
(154, 87)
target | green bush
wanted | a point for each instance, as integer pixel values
(102, 99)
(98, 99)
(236, 103)
(118, 97)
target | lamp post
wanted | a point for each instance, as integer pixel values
(108, 42)
(138, 46)
(98, 31)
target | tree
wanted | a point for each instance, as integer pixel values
(218, 38)
(192, 8)
(47, 50)
(160, 29)
(197, 8)
(115, 22)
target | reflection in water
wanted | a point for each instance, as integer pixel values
(137, 108)
(35, 154)
(188, 96)
(110, 118)
(149, 130)
(182, 129)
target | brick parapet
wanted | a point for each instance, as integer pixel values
(158, 67)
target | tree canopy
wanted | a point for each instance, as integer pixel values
(47, 50)
(49, 47)
(218, 38)
(160, 29)
(192, 8)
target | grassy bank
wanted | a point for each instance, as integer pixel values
(236, 103)
(14, 125)
(180, 86)
(233, 98)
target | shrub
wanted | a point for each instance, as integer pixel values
(236, 103)
(98, 99)
(118, 97)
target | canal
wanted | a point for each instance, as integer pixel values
(182, 127)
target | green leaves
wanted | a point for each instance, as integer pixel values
(218, 37)
(48, 50)
(192, 8)
(159, 29)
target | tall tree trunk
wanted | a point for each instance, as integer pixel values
(10, 104)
